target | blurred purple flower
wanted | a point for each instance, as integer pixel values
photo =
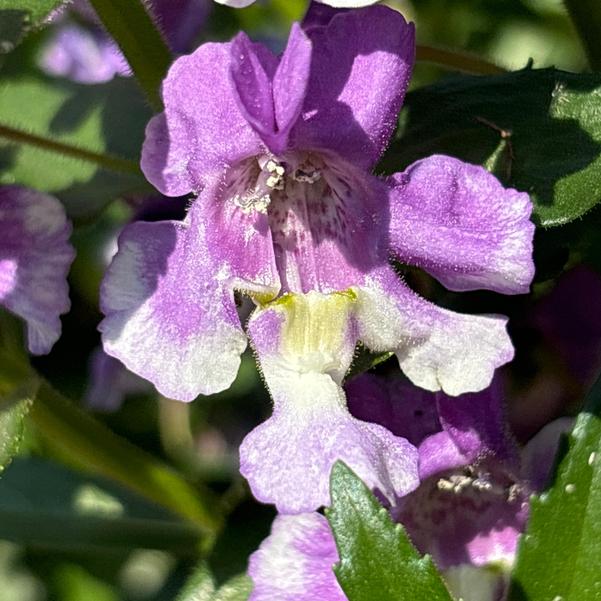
(280, 152)
(110, 382)
(562, 337)
(469, 509)
(35, 257)
(80, 49)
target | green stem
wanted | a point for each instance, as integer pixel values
(133, 29)
(586, 15)
(105, 161)
(95, 448)
(460, 61)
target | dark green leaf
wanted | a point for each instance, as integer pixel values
(558, 557)
(365, 360)
(376, 554)
(44, 504)
(107, 119)
(538, 130)
(18, 17)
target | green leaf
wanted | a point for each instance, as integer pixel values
(376, 554)
(12, 416)
(42, 503)
(132, 28)
(91, 446)
(18, 387)
(202, 587)
(235, 589)
(80, 143)
(365, 360)
(18, 17)
(558, 557)
(538, 130)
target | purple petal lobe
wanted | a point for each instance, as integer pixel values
(437, 349)
(252, 69)
(291, 80)
(294, 563)
(439, 453)
(35, 256)
(202, 129)
(170, 312)
(460, 224)
(310, 427)
(477, 423)
(538, 455)
(360, 70)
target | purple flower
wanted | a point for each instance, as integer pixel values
(35, 256)
(279, 151)
(472, 501)
(295, 562)
(81, 50)
(469, 509)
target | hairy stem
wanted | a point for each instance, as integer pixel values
(105, 161)
(460, 61)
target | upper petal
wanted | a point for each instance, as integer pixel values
(35, 256)
(436, 348)
(290, 81)
(252, 68)
(169, 306)
(361, 65)
(202, 129)
(459, 223)
(294, 563)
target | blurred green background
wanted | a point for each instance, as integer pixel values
(199, 439)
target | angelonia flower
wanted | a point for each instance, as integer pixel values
(279, 151)
(467, 512)
(80, 49)
(35, 257)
